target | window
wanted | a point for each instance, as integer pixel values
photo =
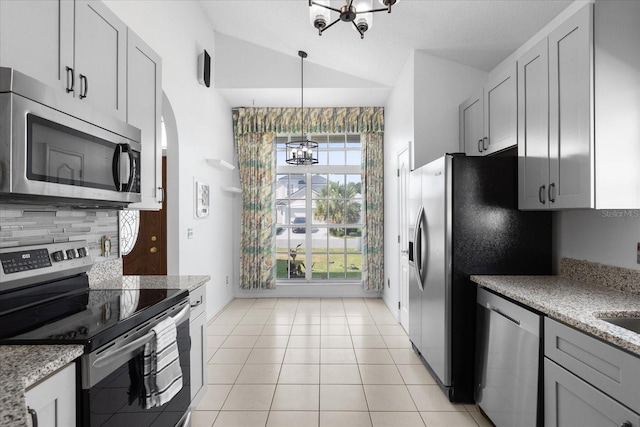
(319, 212)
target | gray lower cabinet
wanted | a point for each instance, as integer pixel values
(52, 402)
(588, 382)
(198, 333)
(570, 401)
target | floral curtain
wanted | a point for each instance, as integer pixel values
(255, 129)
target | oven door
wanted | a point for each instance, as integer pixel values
(110, 380)
(55, 155)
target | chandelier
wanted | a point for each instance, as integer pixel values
(302, 152)
(358, 12)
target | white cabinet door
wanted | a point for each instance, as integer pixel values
(533, 127)
(500, 111)
(571, 183)
(53, 401)
(36, 38)
(198, 333)
(100, 57)
(144, 109)
(472, 126)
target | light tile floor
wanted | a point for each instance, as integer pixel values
(321, 362)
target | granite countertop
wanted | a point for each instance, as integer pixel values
(577, 303)
(189, 283)
(22, 367)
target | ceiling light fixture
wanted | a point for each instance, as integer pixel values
(302, 152)
(358, 12)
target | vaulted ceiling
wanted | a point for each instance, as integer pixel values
(478, 33)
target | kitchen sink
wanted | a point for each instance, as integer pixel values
(629, 323)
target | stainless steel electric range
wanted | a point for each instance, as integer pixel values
(45, 298)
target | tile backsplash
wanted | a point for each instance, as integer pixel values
(22, 225)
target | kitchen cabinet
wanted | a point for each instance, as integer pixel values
(144, 111)
(52, 402)
(488, 120)
(78, 46)
(572, 402)
(587, 381)
(198, 332)
(577, 119)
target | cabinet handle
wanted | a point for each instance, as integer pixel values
(541, 194)
(161, 194)
(480, 145)
(199, 302)
(552, 193)
(71, 80)
(83, 93)
(34, 417)
(626, 424)
(484, 140)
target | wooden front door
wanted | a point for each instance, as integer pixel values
(149, 255)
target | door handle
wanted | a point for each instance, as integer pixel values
(153, 250)
(71, 82)
(34, 416)
(83, 93)
(541, 194)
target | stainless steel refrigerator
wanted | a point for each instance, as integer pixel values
(465, 221)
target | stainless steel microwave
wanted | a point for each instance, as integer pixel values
(54, 150)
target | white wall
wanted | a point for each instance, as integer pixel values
(423, 108)
(605, 236)
(178, 31)
(440, 87)
(398, 133)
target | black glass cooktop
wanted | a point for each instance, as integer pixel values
(68, 312)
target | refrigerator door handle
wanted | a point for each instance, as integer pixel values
(417, 247)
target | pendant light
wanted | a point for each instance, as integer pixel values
(302, 151)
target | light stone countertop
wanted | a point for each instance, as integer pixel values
(574, 302)
(189, 283)
(23, 366)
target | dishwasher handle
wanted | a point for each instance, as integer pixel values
(514, 313)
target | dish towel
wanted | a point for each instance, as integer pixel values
(162, 371)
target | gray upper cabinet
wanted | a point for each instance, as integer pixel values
(78, 46)
(578, 131)
(472, 125)
(36, 38)
(100, 57)
(488, 119)
(144, 110)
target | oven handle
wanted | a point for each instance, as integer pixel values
(109, 357)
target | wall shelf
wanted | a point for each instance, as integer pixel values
(221, 164)
(235, 190)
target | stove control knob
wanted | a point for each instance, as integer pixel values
(71, 254)
(82, 252)
(57, 256)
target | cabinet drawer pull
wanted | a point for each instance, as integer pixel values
(480, 145)
(541, 194)
(34, 417)
(71, 80)
(552, 193)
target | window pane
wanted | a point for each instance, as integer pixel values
(336, 141)
(354, 158)
(281, 158)
(353, 141)
(336, 158)
(323, 158)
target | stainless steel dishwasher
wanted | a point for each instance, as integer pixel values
(508, 362)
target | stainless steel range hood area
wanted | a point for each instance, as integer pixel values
(58, 151)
